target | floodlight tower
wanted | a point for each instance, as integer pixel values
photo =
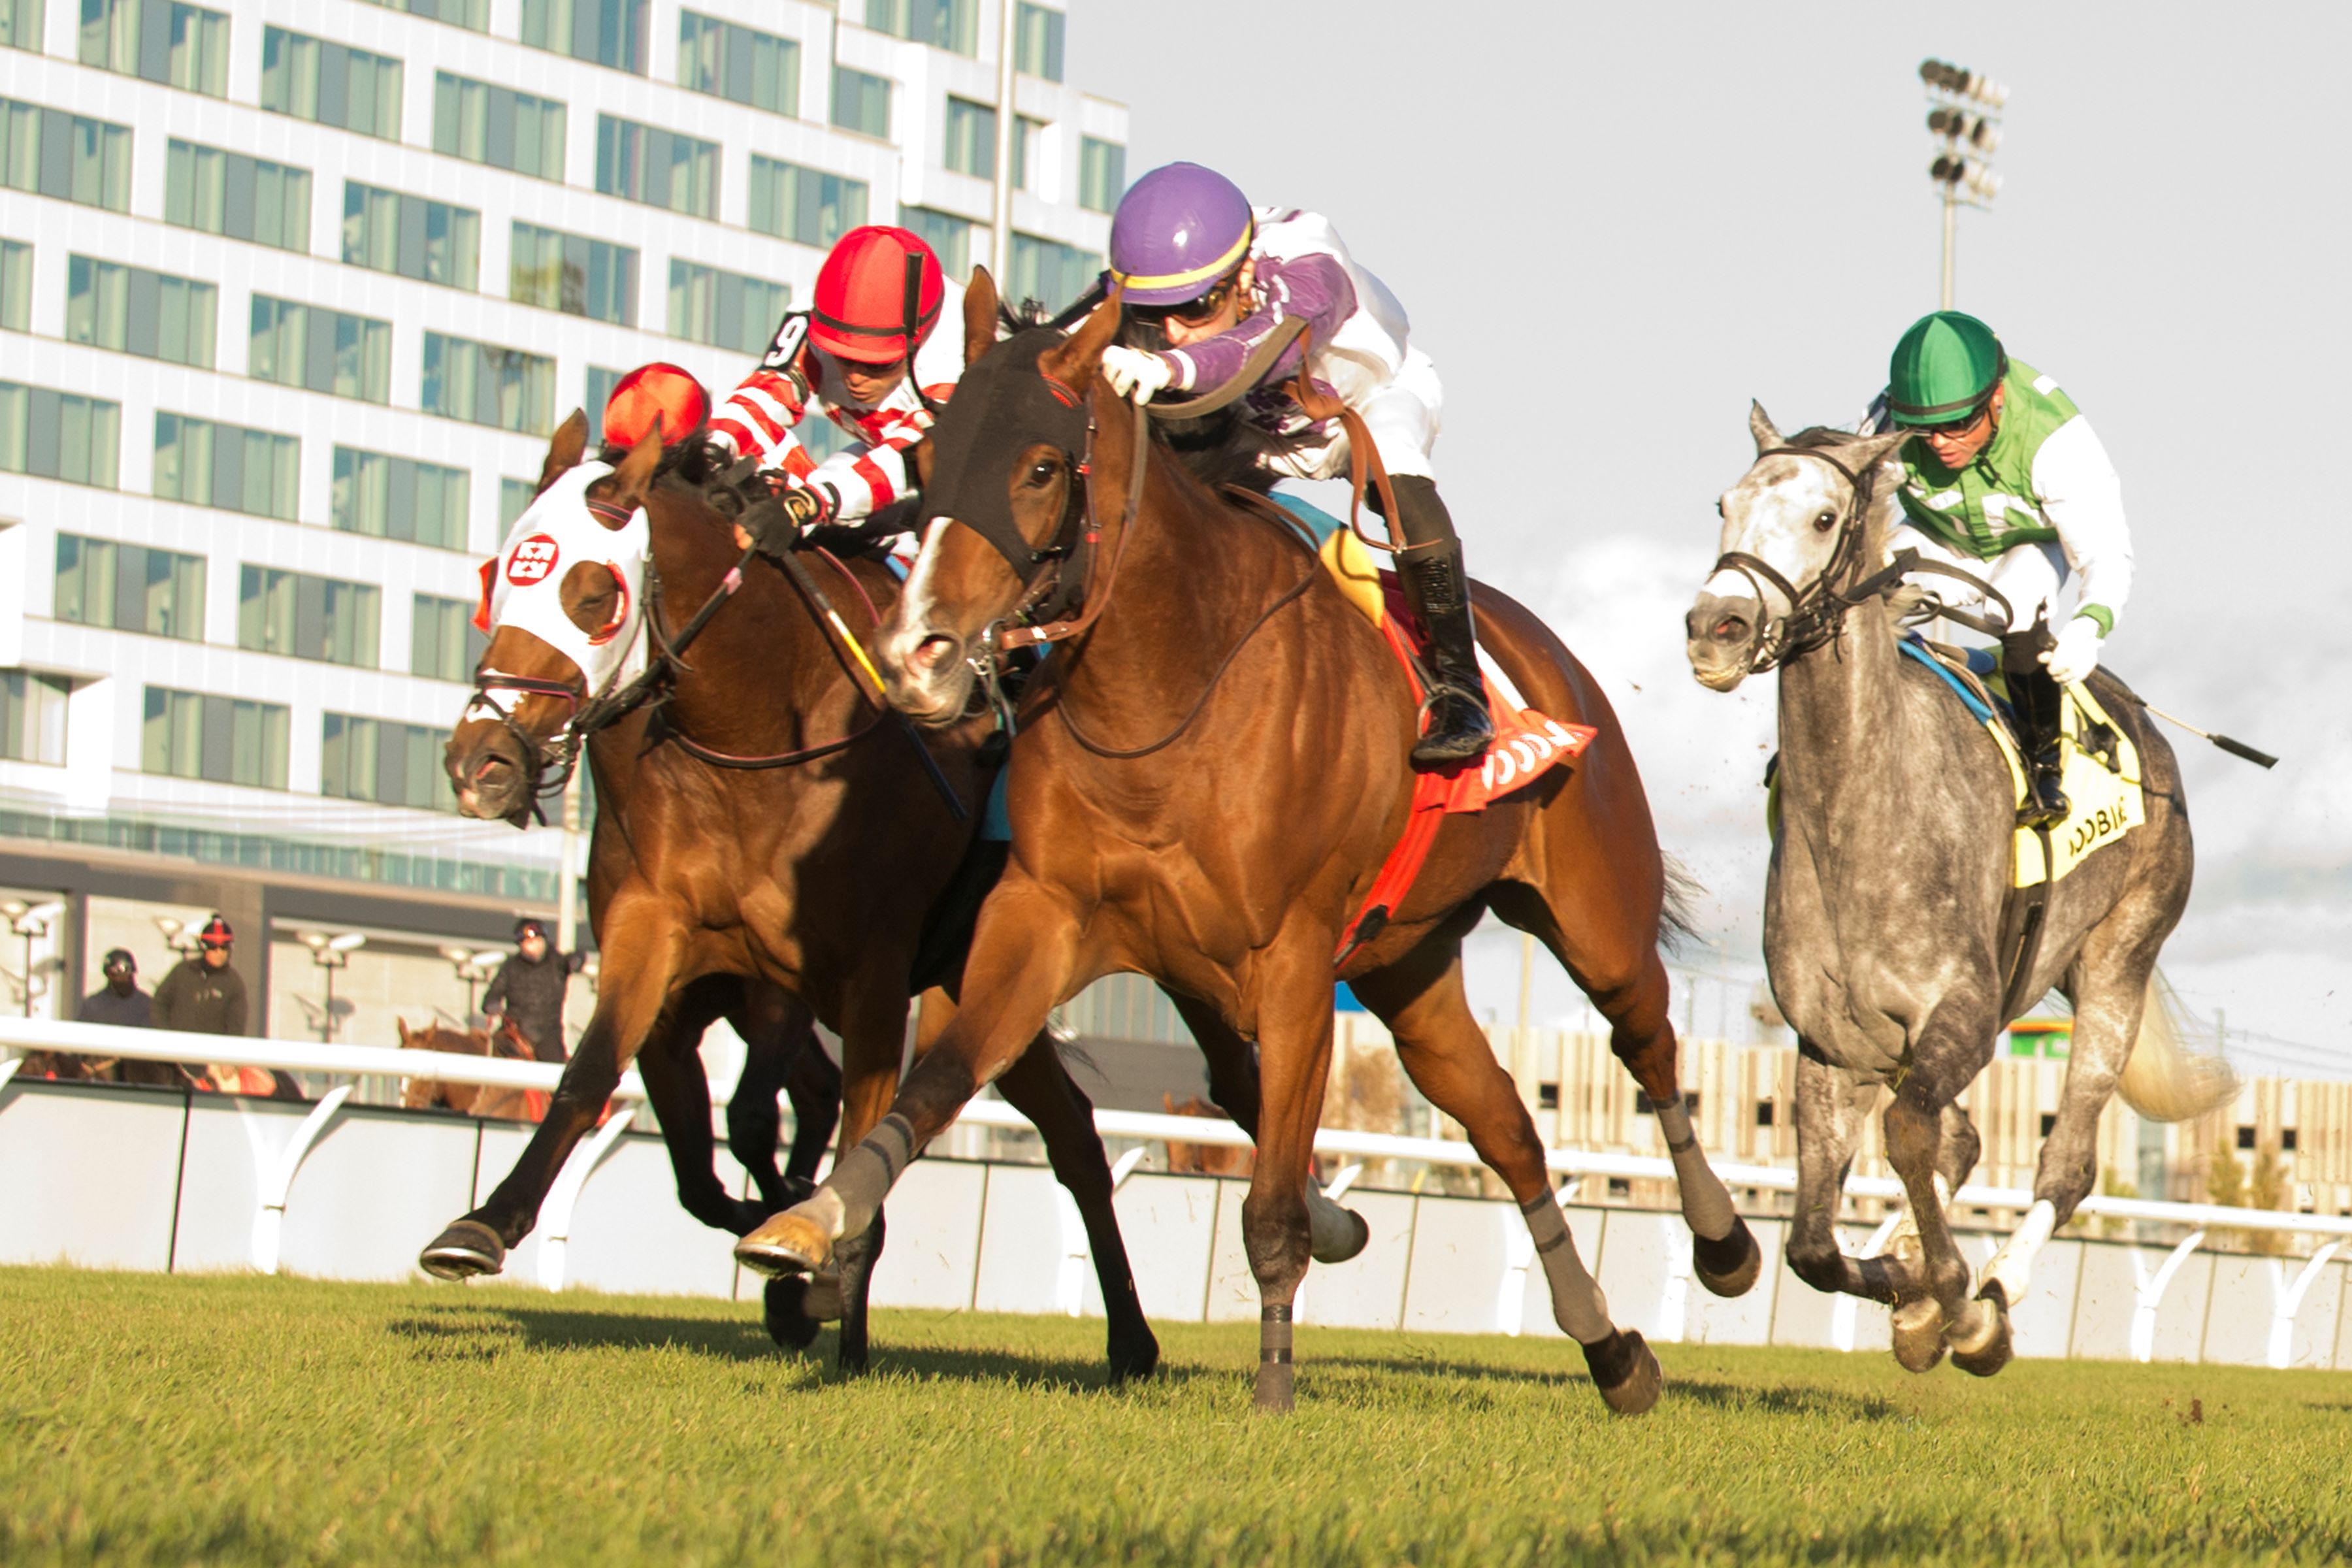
(1964, 113)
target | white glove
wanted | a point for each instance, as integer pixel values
(2076, 653)
(1135, 373)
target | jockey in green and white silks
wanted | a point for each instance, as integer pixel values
(2006, 480)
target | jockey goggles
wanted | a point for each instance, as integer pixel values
(1190, 312)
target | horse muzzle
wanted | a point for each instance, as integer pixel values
(925, 675)
(1721, 634)
(491, 779)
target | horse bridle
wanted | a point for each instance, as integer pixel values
(1817, 611)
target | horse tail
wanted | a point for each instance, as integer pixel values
(1677, 925)
(2163, 1080)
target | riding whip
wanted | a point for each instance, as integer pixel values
(2235, 748)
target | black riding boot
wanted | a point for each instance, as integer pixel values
(1434, 585)
(2035, 699)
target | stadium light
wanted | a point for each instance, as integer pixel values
(31, 922)
(1964, 114)
(331, 953)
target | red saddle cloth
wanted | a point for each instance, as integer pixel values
(1527, 745)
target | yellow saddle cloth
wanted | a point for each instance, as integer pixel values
(2100, 775)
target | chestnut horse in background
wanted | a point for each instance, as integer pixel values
(491, 1103)
(1211, 770)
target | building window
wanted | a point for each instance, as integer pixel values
(1102, 174)
(133, 311)
(660, 168)
(131, 587)
(949, 236)
(325, 350)
(33, 716)
(942, 23)
(388, 763)
(498, 126)
(58, 434)
(515, 496)
(970, 139)
(1764, 1113)
(608, 32)
(69, 156)
(1050, 272)
(485, 385)
(228, 466)
(443, 642)
(161, 40)
(1028, 146)
(399, 498)
(725, 309)
(470, 13)
(727, 61)
(861, 102)
(244, 198)
(225, 740)
(1037, 41)
(428, 240)
(332, 84)
(303, 617)
(20, 24)
(573, 274)
(804, 204)
(15, 286)
(601, 383)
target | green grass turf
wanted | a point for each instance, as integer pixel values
(149, 1418)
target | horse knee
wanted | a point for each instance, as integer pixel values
(1277, 1235)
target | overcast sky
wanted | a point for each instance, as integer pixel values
(1615, 225)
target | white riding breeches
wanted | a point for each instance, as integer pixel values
(1404, 417)
(2029, 576)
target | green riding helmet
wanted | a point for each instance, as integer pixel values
(1945, 367)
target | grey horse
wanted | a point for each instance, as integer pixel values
(1882, 914)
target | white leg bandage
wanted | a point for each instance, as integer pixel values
(1577, 1304)
(1707, 1203)
(2013, 1267)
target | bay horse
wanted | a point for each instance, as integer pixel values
(493, 1103)
(1206, 781)
(819, 875)
(1884, 911)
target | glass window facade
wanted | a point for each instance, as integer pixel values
(725, 309)
(498, 126)
(443, 642)
(20, 24)
(949, 236)
(608, 32)
(130, 309)
(331, 83)
(428, 240)
(400, 497)
(942, 23)
(515, 496)
(971, 145)
(161, 40)
(1102, 174)
(130, 587)
(727, 61)
(207, 463)
(33, 716)
(15, 286)
(310, 346)
(470, 13)
(804, 204)
(244, 198)
(380, 760)
(1037, 40)
(486, 384)
(573, 274)
(303, 617)
(600, 382)
(1050, 272)
(58, 434)
(224, 740)
(861, 102)
(69, 156)
(660, 168)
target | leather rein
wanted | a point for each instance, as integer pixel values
(1817, 612)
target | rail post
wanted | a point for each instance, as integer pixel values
(2289, 1300)
(565, 1197)
(2151, 1293)
(275, 1177)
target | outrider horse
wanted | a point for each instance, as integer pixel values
(765, 823)
(1207, 780)
(1884, 914)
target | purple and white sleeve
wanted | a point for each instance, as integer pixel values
(1315, 286)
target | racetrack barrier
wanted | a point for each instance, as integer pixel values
(124, 1176)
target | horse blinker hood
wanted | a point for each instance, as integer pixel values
(1003, 404)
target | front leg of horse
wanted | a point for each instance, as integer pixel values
(1276, 1231)
(679, 1091)
(1940, 1314)
(1830, 1103)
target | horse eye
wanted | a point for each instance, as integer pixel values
(1824, 523)
(1041, 473)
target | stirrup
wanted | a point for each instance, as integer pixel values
(2043, 809)
(1460, 741)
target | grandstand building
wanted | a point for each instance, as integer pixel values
(291, 294)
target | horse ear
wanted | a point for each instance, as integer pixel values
(1873, 450)
(401, 1025)
(636, 475)
(564, 451)
(1077, 361)
(979, 316)
(1760, 425)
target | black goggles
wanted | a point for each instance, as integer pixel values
(1189, 312)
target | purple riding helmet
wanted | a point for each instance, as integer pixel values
(1178, 230)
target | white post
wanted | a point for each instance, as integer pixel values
(2151, 1293)
(1008, 121)
(277, 1179)
(1951, 207)
(2289, 1300)
(567, 887)
(565, 1197)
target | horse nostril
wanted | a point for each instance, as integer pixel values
(932, 653)
(1731, 628)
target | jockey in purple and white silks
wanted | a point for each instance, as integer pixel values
(1200, 269)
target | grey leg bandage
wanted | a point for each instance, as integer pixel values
(867, 1173)
(1577, 1304)
(1707, 1204)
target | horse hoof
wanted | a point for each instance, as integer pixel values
(1729, 1265)
(785, 1311)
(1918, 1333)
(1276, 1382)
(1359, 1235)
(1625, 1370)
(788, 1243)
(1133, 1357)
(464, 1250)
(1983, 1347)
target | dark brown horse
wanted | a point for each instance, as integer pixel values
(496, 1103)
(1206, 782)
(819, 876)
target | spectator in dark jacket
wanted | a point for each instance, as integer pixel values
(203, 996)
(528, 990)
(119, 1000)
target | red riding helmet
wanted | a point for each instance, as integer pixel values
(861, 306)
(654, 391)
(216, 934)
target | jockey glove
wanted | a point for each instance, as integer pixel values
(1135, 373)
(2077, 652)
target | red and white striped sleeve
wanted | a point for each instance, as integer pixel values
(864, 478)
(756, 419)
